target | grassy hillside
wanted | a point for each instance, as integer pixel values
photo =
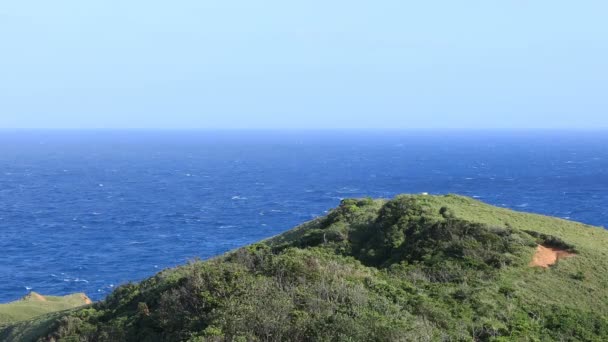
(414, 268)
(35, 304)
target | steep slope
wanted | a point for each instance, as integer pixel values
(411, 268)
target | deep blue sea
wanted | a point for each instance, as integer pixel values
(87, 211)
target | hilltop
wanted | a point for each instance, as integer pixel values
(416, 267)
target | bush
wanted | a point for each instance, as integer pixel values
(552, 241)
(579, 275)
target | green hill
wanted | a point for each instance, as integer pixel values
(414, 268)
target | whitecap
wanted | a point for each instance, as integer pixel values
(347, 190)
(100, 185)
(29, 288)
(238, 198)
(523, 205)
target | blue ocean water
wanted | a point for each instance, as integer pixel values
(87, 211)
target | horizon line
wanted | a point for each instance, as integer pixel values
(307, 129)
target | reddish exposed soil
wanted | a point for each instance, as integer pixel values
(547, 256)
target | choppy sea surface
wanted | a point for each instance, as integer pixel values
(87, 211)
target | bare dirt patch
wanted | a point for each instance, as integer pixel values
(86, 299)
(35, 296)
(547, 256)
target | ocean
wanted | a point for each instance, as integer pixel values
(86, 211)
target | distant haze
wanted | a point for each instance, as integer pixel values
(303, 64)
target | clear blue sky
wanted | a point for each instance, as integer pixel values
(303, 64)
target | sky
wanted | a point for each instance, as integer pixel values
(228, 64)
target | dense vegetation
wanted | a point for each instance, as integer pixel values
(415, 268)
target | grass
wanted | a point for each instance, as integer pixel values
(34, 305)
(556, 284)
